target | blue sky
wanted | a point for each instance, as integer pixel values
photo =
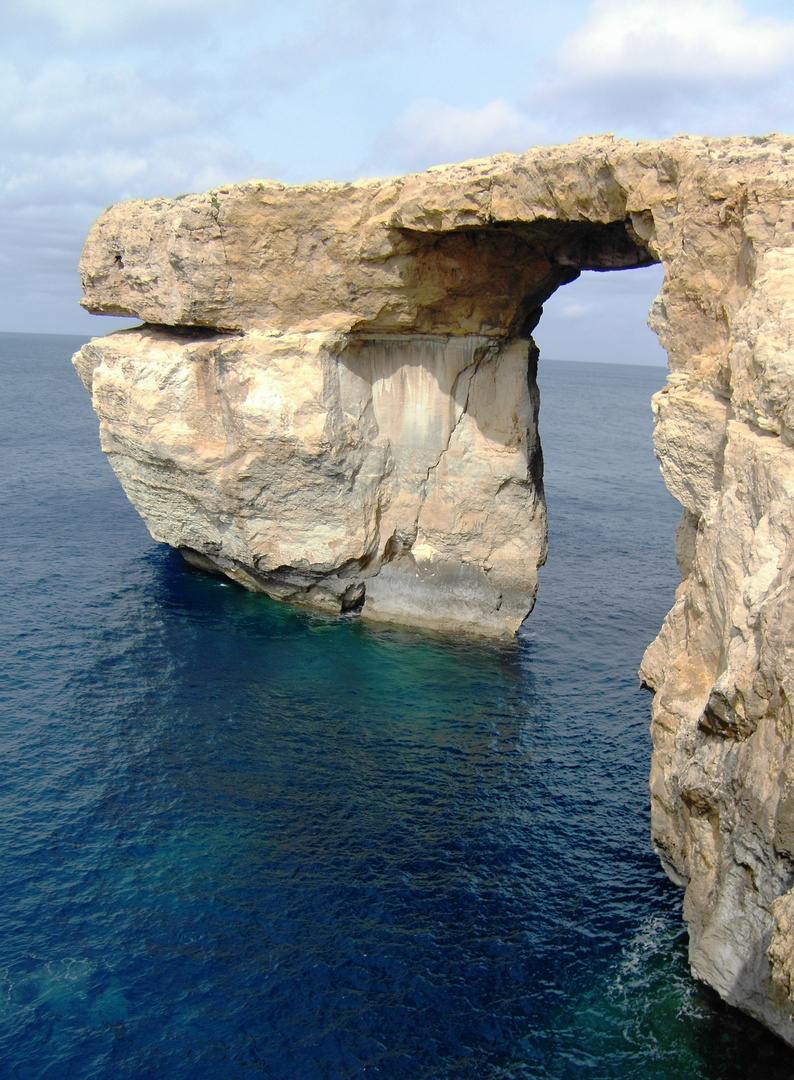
(107, 99)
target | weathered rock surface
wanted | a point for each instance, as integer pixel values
(334, 402)
(401, 474)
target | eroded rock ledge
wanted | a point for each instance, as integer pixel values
(334, 401)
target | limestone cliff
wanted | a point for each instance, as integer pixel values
(334, 401)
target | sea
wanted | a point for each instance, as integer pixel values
(241, 840)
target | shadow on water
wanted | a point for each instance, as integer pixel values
(241, 839)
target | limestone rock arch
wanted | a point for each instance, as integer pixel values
(333, 400)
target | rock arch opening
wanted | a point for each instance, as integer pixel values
(446, 385)
(611, 566)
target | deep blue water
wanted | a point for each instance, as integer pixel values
(238, 841)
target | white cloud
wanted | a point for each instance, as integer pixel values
(89, 18)
(577, 311)
(674, 38)
(639, 68)
(655, 68)
(65, 103)
(432, 133)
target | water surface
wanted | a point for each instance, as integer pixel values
(242, 841)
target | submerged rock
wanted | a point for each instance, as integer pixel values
(334, 402)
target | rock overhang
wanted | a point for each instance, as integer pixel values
(264, 255)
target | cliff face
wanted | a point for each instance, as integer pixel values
(334, 402)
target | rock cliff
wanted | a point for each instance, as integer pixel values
(333, 400)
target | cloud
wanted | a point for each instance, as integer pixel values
(638, 68)
(654, 68)
(431, 133)
(577, 311)
(64, 104)
(700, 39)
(77, 20)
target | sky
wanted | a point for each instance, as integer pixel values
(111, 99)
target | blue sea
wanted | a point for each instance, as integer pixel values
(239, 840)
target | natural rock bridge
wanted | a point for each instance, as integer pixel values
(333, 401)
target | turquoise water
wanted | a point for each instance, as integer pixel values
(242, 841)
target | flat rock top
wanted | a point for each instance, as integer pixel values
(337, 256)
